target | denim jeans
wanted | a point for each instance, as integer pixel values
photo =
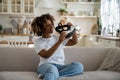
(54, 71)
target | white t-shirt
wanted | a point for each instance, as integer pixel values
(46, 43)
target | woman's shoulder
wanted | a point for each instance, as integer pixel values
(37, 39)
(55, 35)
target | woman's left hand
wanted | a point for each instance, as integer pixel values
(69, 23)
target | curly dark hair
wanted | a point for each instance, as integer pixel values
(38, 23)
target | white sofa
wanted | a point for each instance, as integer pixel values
(21, 64)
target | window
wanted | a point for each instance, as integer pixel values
(110, 15)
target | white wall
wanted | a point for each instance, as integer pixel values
(56, 4)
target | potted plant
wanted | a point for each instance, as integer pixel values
(62, 11)
(1, 28)
(99, 25)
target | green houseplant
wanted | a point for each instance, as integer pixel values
(62, 11)
(99, 25)
(1, 28)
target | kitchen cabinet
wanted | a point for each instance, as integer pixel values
(28, 6)
(16, 40)
(83, 14)
(101, 41)
(4, 6)
(90, 40)
(108, 41)
(17, 6)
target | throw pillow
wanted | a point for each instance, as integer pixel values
(112, 60)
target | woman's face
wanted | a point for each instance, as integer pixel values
(48, 27)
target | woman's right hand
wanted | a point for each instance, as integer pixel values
(62, 36)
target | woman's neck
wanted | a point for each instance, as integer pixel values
(46, 35)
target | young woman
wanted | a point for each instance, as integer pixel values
(50, 49)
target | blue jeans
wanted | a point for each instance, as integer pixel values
(54, 71)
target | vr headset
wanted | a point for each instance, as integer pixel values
(67, 28)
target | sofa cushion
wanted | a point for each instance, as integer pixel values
(90, 57)
(112, 60)
(17, 75)
(88, 75)
(18, 59)
(77, 77)
(102, 75)
(95, 75)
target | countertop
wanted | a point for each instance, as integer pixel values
(14, 35)
(109, 38)
(6, 42)
(102, 37)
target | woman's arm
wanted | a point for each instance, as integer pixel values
(73, 40)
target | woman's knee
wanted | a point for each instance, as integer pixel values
(52, 71)
(52, 68)
(44, 68)
(78, 66)
(49, 71)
